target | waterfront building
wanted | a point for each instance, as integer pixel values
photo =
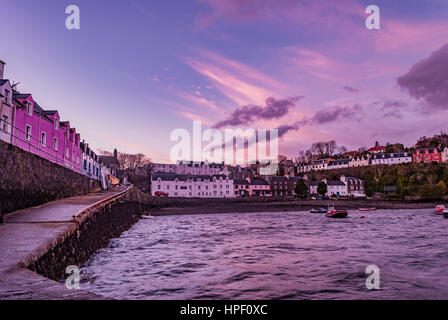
(259, 187)
(391, 158)
(240, 173)
(192, 186)
(428, 155)
(6, 108)
(241, 188)
(355, 186)
(40, 132)
(90, 165)
(359, 161)
(334, 188)
(283, 186)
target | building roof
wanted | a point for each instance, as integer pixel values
(245, 182)
(338, 162)
(335, 183)
(377, 149)
(3, 81)
(165, 176)
(109, 160)
(259, 182)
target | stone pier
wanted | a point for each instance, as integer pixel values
(37, 244)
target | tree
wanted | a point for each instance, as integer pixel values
(431, 192)
(322, 188)
(301, 188)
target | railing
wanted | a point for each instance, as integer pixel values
(34, 145)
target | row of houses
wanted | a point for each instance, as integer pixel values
(427, 155)
(221, 186)
(27, 125)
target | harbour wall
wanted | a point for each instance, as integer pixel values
(28, 180)
(90, 231)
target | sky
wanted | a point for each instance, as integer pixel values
(139, 69)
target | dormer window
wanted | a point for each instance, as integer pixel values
(56, 123)
(29, 108)
(6, 96)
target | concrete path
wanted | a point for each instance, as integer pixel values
(27, 234)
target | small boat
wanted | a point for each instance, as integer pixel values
(367, 209)
(445, 213)
(147, 217)
(333, 213)
(439, 209)
(320, 210)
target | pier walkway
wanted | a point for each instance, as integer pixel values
(28, 234)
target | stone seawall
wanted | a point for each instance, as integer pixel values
(92, 231)
(28, 180)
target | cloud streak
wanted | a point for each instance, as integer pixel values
(428, 80)
(245, 115)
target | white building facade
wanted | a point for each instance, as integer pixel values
(192, 186)
(445, 155)
(192, 168)
(391, 158)
(6, 110)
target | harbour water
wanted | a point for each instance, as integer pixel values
(288, 255)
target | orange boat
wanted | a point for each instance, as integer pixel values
(367, 209)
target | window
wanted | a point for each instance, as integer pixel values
(43, 139)
(29, 109)
(6, 96)
(5, 123)
(56, 123)
(28, 133)
(55, 144)
(85, 164)
(67, 154)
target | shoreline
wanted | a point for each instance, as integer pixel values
(210, 206)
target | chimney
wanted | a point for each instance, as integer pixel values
(115, 154)
(2, 69)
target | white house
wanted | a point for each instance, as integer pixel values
(359, 161)
(338, 164)
(192, 186)
(391, 158)
(445, 155)
(336, 188)
(355, 186)
(90, 166)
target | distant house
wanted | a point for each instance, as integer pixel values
(359, 161)
(110, 161)
(241, 188)
(445, 155)
(283, 186)
(355, 186)
(391, 158)
(259, 187)
(338, 164)
(377, 149)
(334, 188)
(192, 186)
(428, 155)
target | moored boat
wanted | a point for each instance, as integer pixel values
(333, 213)
(367, 209)
(445, 213)
(440, 209)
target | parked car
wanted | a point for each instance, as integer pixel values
(161, 194)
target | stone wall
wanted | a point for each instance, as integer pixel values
(27, 180)
(99, 225)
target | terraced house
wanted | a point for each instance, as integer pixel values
(391, 158)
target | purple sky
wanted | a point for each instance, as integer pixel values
(139, 69)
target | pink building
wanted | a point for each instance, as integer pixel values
(41, 132)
